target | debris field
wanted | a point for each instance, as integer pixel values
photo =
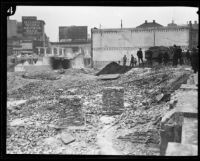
(63, 112)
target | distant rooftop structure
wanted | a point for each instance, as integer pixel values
(194, 25)
(172, 24)
(149, 24)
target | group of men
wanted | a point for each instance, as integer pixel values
(133, 61)
(189, 58)
(179, 57)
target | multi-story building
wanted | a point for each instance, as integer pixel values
(74, 44)
(24, 37)
(73, 33)
(112, 44)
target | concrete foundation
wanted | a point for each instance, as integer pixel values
(171, 129)
(179, 131)
(177, 149)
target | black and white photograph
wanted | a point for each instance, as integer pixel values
(102, 80)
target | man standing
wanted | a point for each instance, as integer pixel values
(160, 57)
(148, 56)
(165, 58)
(195, 60)
(188, 57)
(180, 58)
(132, 61)
(140, 55)
(135, 61)
(124, 60)
(175, 56)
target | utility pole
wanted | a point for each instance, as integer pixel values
(92, 63)
(121, 24)
(154, 36)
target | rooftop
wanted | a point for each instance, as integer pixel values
(149, 24)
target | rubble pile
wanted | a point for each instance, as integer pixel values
(142, 137)
(15, 80)
(113, 100)
(145, 92)
(30, 89)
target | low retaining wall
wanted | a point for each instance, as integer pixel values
(178, 132)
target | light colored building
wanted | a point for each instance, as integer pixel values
(72, 49)
(112, 44)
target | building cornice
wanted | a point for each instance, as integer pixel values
(115, 30)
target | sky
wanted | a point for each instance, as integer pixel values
(108, 17)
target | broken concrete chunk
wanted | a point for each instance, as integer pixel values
(72, 91)
(66, 138)
(188, 87)
(17, 122)
(60, 90)
(159, 97)
(108, 76)
(15, 103)
(107, 119)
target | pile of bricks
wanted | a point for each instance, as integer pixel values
(113, 100)
(142, 137)
(71, 112)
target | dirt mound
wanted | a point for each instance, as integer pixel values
(113, 68)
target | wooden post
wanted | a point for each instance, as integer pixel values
(92, 62)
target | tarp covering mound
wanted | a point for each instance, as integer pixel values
(113, 68)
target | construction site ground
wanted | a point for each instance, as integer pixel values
(33, 119)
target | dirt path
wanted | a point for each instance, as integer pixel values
(104, 140)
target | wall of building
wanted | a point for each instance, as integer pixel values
(112, 44)
(16, 33)
(171, 36)
(78, 62)
(194, 38)
(11, 28)
(85, 47)
(123, 38)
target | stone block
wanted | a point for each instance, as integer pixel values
(172, 117)
(177, 149)
(171, 129)
(190, 131)
(188, 110)
(66, 138)
(166, 135)
(188, 87)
